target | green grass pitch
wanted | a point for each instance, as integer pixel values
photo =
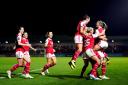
(62, 74)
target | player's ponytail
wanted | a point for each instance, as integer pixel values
(105, 25)
(47, 34)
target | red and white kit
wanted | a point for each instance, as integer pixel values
(26, 48)
(102, 43)
(49, 48)
(88, 46)
(19, 49)
(101, 54)
(26, 55)
(78, 36)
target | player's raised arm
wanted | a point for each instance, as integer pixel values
(83, 25)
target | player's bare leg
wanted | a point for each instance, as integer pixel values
(95, 58)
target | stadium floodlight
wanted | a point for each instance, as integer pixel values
(40, 41)
(58, 41)
(112, 40)
(6, 42)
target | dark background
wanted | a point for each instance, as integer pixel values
(61, 17)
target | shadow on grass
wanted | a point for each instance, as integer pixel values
(60, 76)
(4, 75)
(13, 75)
(65, 76)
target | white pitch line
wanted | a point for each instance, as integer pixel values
(35, 70)
(2, 77)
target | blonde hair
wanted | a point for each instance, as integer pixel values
(25, 33)
(102, 24)
(89, 29)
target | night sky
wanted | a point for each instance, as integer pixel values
(61, 17)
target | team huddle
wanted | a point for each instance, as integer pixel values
(91, 45)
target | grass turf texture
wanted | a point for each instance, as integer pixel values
(62, 74)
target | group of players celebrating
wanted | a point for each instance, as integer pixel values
(88, 43)
(92, 46)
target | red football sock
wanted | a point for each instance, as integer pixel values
(76, 55)
(46, 67)
(94, 69)
(103, 68)
(14, 67)
(27, 68)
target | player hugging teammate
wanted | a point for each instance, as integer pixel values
(91, 45)
(22, 54)
(92, 50)
(97, 50)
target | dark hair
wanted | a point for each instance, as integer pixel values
(85, 16)
(47, 33)
(19, 28)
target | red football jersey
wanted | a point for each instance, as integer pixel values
(100, 29)
(89, 42)
(49, 44)
(25, 41)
